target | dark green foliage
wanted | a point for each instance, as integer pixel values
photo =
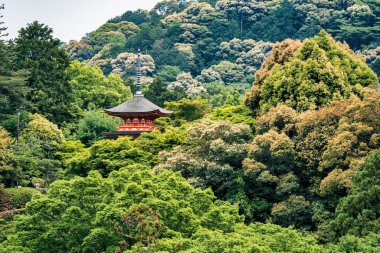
(37, 51)
(158, 92)
(13, 90)
(205, 24)
(93, 125)
(13, 93)
(359, 213)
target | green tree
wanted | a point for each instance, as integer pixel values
(13, 90)
(246, 10)
(159, 93)
(35, 153)
(106, 156)
(92, 90)
(212, 156)
(37, 51)
(235, 114)
(93, 125)
(9, 173)
(186, 110)
(320, 71)
(168, 73)
(81, 209)
(358, 213)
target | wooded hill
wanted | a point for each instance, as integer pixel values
(273, 145)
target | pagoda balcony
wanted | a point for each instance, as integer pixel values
(150, 128)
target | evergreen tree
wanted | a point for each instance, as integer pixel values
(37, 51)
(12, 83)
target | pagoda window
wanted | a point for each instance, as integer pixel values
(128, 122)
(142, 122)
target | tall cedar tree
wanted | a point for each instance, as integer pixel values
(12, 83)
(37, 51)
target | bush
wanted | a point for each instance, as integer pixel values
(18, 197)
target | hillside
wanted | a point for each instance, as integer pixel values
(273, 143)
(197, 37)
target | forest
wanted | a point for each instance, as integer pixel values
(273, 144)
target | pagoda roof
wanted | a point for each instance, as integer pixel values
(138, 105)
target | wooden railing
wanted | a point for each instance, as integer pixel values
(137, 128)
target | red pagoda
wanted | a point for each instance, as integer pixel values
(138, 114)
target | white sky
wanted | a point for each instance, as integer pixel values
(70, 19)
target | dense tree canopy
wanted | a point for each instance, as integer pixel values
(37, 51)
(317, 72)
(294, 171)
(358, 213)
(134, 209)
(92, 90)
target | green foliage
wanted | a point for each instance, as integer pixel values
(133, 210)
(128, 204)
(168, 73)
(211, 156)
(13, 92)
(39, 128)
(358, 213)
(186, 110)
(320, 71)
(92, 90)
(372, 57)
(93, 125)
(37, 51)
(218, 94)
(228, 72)
(190, 34)
(306, 166)
(35, 152)
(236, 114)
(13, 89)
(106, 156)
(300, 165)
(349, 243)
(8, 172)
(253, 238)
(158, 92)
(18, 197)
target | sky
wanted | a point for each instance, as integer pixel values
(70, 19)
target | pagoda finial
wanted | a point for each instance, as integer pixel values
(138, 80)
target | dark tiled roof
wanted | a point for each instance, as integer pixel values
(138, 104)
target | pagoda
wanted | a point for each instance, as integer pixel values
(138, 113)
